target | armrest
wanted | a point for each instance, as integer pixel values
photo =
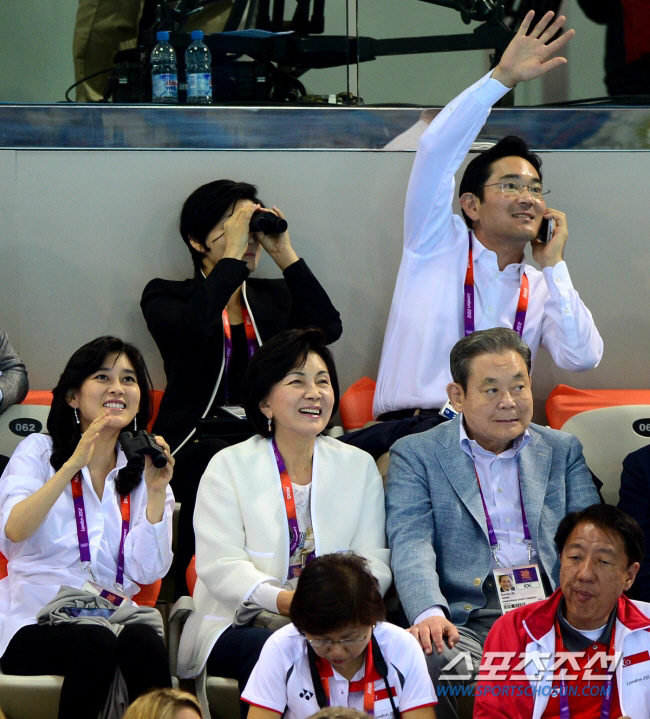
(177, 617)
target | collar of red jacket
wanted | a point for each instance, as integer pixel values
(542, 616)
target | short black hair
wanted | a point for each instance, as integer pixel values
(205, 207)
(336, 591)
(479, 169)
(273, 362)
(493, 341)
(610, 520)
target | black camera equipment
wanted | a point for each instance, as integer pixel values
(268, 223)
(137, 446)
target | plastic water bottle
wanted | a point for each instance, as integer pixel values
(164, 76)
(198, 70)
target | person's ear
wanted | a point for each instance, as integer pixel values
(265, 409)
(197, 246)
(631, 574)
(71, 398)
(470, 204)
(456, 396)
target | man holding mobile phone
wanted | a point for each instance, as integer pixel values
(459, 275)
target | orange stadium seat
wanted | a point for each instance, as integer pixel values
(610, 423)
(356, 404)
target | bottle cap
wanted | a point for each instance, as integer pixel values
(162, 36)
(197, 34)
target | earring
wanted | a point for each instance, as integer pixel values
(76, 415)
(270, 422)
(135, 424)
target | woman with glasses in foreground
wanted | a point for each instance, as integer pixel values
(339, 652)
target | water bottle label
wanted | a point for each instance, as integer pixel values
(165, 85)
(199, 84)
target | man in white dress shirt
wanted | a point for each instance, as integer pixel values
(436, 299)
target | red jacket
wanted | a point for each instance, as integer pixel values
(531, 630)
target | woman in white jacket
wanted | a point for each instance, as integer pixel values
(267, 506)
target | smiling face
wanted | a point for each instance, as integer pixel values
(216, 242)
(505, 583)
(113, 387)
(301, 404)
(498, 217)
(594, 572)
(498, 404)
(343, 649)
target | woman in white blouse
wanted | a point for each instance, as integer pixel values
(267, 506)
(73, 513)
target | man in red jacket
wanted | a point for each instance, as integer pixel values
(585, 651)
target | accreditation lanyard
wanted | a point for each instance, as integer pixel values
(494, 544)
(290, 506)
(365, 685)
(252, 345)
(470, 309)
(606, 704)
(82, 529)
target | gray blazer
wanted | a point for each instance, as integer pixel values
(437, 534)
(13, 380)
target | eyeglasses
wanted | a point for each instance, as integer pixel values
(328, 643)
(514, 189)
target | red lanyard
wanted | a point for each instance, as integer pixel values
(365, 685)
(82, 528)
(252, 345)
(470, 309)
(290, 506)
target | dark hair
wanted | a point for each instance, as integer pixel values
(492, 341)
(205, 207)
(61, 424)
(479, 169)
(273, 362)
(336, 591)
(610, 520)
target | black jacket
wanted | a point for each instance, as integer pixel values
(184, 319)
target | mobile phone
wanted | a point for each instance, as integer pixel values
(546, 230)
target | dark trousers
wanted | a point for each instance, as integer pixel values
(87, 656)
(191, 462)
(235, 654)
(378, 438)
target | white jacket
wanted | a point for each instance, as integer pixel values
(242, 534)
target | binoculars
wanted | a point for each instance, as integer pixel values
(268, 223)
(137, 446)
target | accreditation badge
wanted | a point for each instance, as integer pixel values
(112, 595)
(518, 586)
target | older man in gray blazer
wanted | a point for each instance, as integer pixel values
(445, 485)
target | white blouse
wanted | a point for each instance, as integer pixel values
(40, 565)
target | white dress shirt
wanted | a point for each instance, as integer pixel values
(499, 478)
(40, 565)
(426, 317)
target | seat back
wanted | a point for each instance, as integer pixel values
(156, 397)
(356, 404)
(23, 419)
(190, 575)
(609, 423)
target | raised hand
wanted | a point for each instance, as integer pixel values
(278, 246)
(236, 231)
(528, 55)
(157, 481)
(86, 445)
